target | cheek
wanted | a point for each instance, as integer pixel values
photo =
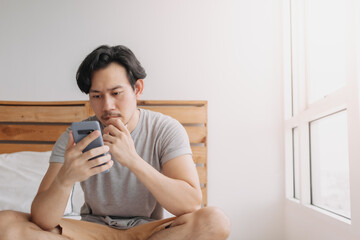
(126, 107)
(127, 102)
(122, 108)
(95, 107)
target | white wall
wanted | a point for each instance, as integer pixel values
(225, 51)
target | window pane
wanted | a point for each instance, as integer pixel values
(296, 179)
(330, 164)
(327, 40)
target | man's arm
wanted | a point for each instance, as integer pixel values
(50, 202)
(177, 189)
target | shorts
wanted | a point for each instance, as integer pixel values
(78, 230)
(117, 222)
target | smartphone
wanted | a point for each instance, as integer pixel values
(82, 129)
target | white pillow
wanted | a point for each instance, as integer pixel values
(20, 177)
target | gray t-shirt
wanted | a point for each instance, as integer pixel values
(118, 198)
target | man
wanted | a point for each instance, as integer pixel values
(150, 168)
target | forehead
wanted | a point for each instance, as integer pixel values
(112, 75)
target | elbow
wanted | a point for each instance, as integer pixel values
(40, 220)
(35, 218)
(196, 202)
(192, 206)
(187, 209)
(195, 208)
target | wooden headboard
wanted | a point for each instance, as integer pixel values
(35, 126)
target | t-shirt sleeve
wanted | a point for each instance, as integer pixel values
(174, 141)
(58, 152)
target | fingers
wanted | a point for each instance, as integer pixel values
(99, 161)
(71, 141)
(95, 152)
(102, 168)
(111, 130)
(108, 139)
(87, 140)
(118, 124)
(77, 166)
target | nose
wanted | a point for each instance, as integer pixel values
(108, 103)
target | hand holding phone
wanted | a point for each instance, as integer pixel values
(82, 129)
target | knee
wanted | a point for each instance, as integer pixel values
(213, 221)
(7, 217)
(11, 232)
(10, 224)
(7, 224)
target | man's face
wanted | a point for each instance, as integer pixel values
(111, 95)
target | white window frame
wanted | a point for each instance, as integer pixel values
(345, 98)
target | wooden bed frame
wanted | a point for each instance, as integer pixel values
(35, 126)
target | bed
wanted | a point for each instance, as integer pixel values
(28, 131)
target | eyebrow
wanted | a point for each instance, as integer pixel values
(110, 89)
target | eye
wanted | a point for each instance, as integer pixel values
(95, 96)
(116, 93)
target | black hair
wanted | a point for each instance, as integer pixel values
(101, 57)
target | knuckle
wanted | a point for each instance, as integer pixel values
(95, 152)
(103, 168)
(87, 155)
(91, 152)
(97, 161)
(95, 170)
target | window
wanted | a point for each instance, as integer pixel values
(321, 103)
(327, 38)
(330, 187)
(295, 163)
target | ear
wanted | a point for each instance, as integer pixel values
(139, 87)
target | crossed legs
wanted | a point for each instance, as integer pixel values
(205, 224)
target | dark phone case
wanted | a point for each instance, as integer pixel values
(82, 129)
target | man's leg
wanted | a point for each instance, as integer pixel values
(205, 224)
(17, 226)
(144, 231)
(91, 231)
